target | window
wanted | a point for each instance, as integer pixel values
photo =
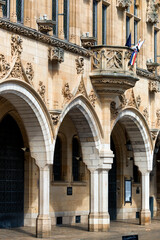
(95, 18)
(128, 191)
(76, 159)
(104, 23)
(127, 27)
(55, 16)
(155, 46)
(57, 166)
(66, 19)
(6, 9)
(135, 23)
(19, 10)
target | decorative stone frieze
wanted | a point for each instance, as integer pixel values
(45, 25)
(66, 92)
(56, 54)
(42, 90)
(153, 86)
(36, 35)
(79, 65)
(123, 3)
(146, 114)
(158, 118)
(152, 12)
(92, 98)
(4, 66)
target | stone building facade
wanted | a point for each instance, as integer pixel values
(79, 126)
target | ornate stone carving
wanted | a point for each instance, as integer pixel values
(114, 110)
(158, 117)
(81, 88)
(55, 118)
(152, 66)
(66, 92)
(42, 90)
(154, 134)
(4, 66)
(153, 86)
(92, 98)
(45, 26)
(146, 114)
(51, 40)
(123, 100)
(124, 3)
(16, 45)
(80, 65)
(17, 71)
(152, 12)
(56, 54)
(146, 74)
(29, 71)
(138, 101)
(132, 101)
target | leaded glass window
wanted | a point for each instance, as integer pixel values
(6, 9)
(19, 10)
(66, 19)
(104, 23)
(55, 16)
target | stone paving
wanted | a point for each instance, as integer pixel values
(79, 232)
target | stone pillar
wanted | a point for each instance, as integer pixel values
(13, 14)
(93, 216)
(43, 224)
(104, 218)
(145, 215)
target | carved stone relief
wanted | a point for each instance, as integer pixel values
(4, 66)
(66, 92)
(123, 100)
(92, 98)
(42, 90)
(114, 110)
(16, 45)
(55, 117)
(29, 71)
(81, 88)
(146, 114)
(152, 12)
(80, 65)
(124, 3)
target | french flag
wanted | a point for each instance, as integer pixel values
(136, 50)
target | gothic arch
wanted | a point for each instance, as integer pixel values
(35, 119)
(140, 137)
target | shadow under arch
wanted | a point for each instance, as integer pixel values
(140, 136)
(35, 117)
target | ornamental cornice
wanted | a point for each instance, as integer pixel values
(50, 40)
(147, 74)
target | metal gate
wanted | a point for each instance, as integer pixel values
(11, 178)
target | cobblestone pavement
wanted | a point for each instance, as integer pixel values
(79, 232)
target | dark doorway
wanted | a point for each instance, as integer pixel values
(11, 174)
(112, 208)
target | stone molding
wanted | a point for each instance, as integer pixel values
(49, 40)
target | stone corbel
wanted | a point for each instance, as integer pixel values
(45, 25)
(153, 86)
(152, 66)
(56, 54)
(55, 115)
(87, 41)
(122, 4)
(2, 3)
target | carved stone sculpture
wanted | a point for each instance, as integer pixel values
(138, 101)
(66, 92)
(16, 45)
(81, 88)
(4, 66)
(146, 114)
(42, 90)
(158, 117)
(80, 65)
(45, 26)
(92, 98)
(56, 54)
(152, 12)
(114, 111)
(29, 71)
(55, 118)
(123, 100)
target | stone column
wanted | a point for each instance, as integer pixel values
(13, 14)
(43, 225)
(104, 218)
(145, 215)
(93, 216)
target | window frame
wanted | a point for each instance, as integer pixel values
(22, 11)
(8, 9)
